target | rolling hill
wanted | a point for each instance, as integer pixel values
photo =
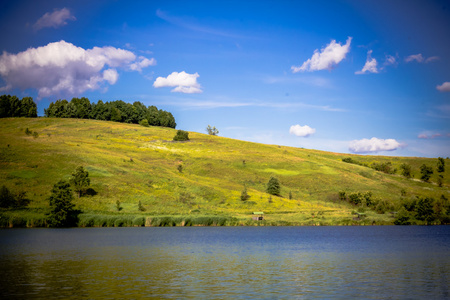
(200, 178)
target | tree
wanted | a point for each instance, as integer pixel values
(424, 210)
(62, 212)
(273, 186)
(6, 197)
(402, 218)
(181, 136)
(440, 165)
(80, 180)
(244, 195)
(406, 170)
(425, 172)
(140, 206)
(212, 130)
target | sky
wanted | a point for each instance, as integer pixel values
(365, 77)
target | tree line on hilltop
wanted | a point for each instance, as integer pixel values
(82, 108)
(11, 106)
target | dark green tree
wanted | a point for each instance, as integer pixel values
(80, 181)
(424, 210)
(402, 217)
(406, 170)
(62, 210)
(28, 108)
(181, 136)
(244, 195)
(425, 172)
(140, 206)
(440, 165)
(6, 198)
(273, 186)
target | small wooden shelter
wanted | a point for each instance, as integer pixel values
(258, 216)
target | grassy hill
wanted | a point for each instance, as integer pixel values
(132, 163)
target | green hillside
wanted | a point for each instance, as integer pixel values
(132, 163)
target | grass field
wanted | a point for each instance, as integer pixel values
(132, 163)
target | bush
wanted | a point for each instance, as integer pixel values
(144, 122)
(425, 172)
(181, 136)
(406, 170)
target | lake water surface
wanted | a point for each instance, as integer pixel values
(378, 262)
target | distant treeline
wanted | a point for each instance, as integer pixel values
(11, 106)
(117, 111)
(82, 108)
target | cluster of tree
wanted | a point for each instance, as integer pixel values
(366, 199)
(11, 200)
(11, 106)
(62, 210)
(424, 211)
(385, 167)
(406, 170)
(117, 111)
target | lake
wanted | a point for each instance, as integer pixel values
(370, 262)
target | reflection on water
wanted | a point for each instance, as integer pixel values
(217, 263)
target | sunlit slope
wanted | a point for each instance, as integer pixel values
(131, 163)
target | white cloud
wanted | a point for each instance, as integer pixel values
(63, 68)
(111, 76)
(445, 87)
(373, 145)
(55, 19)
(303, 131)
(370, 65)
(183, 82)
(143, 63)
(328, 57)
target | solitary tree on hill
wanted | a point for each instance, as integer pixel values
(273, 186)
(80, 180)
(425, 172)
(440, 165)
(62, 213)
(212, 130)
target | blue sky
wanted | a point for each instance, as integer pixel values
(368, 77)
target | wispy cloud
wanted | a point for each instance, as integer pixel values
(370, 66)
(429, 135)
(55, 19)
(192, 26)
(309, 80)
(232, 103)
(327, 58)
(445, 87)
(420, 59)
